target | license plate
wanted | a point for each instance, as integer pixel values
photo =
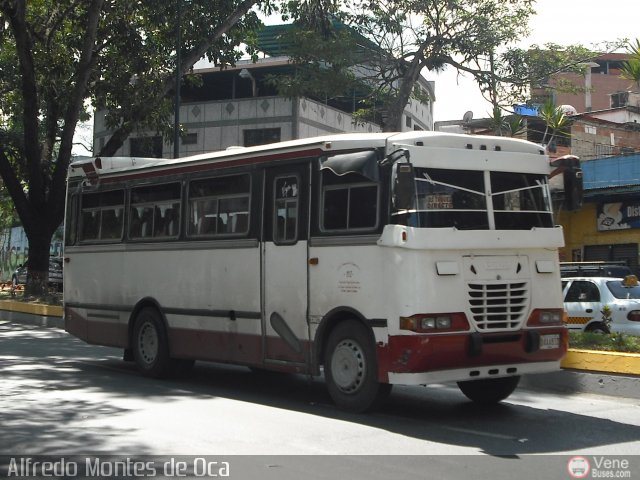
(548, 342)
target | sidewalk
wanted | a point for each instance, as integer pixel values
(602, 373)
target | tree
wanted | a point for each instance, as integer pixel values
(56, 55)
(414, 35)
(556, 122)
(631, 68)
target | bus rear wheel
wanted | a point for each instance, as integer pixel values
(489, 390)
(150, 345)
(351, 368)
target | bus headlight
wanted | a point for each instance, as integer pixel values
(435, 322)
(551, 316)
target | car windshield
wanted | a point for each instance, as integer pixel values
(618, 290)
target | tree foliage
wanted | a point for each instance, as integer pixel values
(631, 68)
(416, 35)
(57, 56)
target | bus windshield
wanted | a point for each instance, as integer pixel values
(478, 200)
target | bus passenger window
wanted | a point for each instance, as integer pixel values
(155, 211)
(90, 225)
(350, 207)
(102, 217)
(111, 224)
(219, 206)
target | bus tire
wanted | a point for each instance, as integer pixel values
(489, 390)
(150, 345)
(351, 368)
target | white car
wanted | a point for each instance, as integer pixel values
(585, 298)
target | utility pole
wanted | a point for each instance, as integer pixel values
(176, 115)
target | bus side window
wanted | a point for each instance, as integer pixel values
(286, 196)
(216, 206)
(90, 225)
(349, 202)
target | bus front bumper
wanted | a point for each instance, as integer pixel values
(422, 359)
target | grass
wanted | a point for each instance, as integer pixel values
(614, 342)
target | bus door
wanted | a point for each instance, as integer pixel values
(284, 275)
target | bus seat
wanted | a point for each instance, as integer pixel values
(242, 222)
(171, 222)
(135, 227)
(206, 226)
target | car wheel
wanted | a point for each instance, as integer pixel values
(489, 390)
(150, 345)
(351, 368)
(598, 327)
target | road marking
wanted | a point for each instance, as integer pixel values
(486, 434)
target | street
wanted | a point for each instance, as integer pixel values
(59, 396)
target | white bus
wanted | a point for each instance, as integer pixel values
(378, 259)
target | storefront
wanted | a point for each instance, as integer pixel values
(607, 227)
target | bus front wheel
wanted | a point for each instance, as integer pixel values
(351, 368)
(489, 390)
(149, 344)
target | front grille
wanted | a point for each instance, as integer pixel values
(498, 306)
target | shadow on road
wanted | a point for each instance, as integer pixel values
(52, 360)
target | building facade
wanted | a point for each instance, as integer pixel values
(239, 106)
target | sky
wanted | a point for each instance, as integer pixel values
(563, 22)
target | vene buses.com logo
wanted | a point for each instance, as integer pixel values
(578, 467)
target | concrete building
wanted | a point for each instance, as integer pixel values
(239, 106)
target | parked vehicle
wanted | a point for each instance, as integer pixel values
(594, 269)
(19, 277)
(585, 299)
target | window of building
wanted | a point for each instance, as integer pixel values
(619, 99)
(102, 216)
(146, 147)
(590, 129)
(408, 121)
(190, 138)
(261, 136)
(219, 206)
(155, 211)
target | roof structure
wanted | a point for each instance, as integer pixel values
(611, 176)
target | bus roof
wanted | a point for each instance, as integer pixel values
(108, 166)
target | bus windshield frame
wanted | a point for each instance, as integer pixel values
(477, 200)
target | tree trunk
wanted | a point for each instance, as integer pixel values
(38, 262)
(395, 108)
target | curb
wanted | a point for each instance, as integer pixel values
(583, 381)
(600, 361)
(32, 313)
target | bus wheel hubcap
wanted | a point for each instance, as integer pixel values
(148, 342)
(348, 366)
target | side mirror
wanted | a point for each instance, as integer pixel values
(404, 188)
(573, 188)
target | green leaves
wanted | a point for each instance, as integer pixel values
(631, 68)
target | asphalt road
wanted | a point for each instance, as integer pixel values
(59, 396)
